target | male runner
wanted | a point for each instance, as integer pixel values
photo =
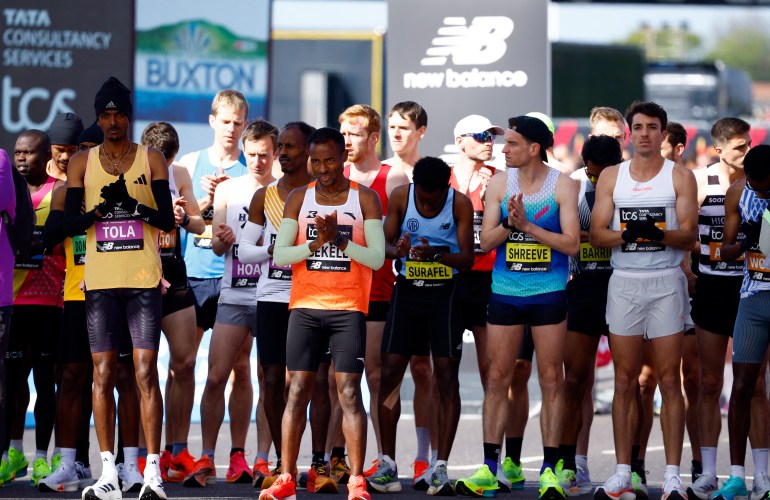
(407, 123)
(64, 133)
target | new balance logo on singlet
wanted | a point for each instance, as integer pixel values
(141, 180)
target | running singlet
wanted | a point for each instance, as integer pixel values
(329, 279)
(589, 259)
(756, 277)
(239, 282)
(121, 252)
(275, 285)
(482, 261)
(174, 270)
(523, 266)
(39, 279)
(651, 200)
(711, 220)
(198, 255)
(441, 233)
(383, 279)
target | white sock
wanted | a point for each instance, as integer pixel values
(41, 454)
(56, 450)
(624, 469)
(423, 443)
(760, 460)
(379, 456)
(130, 455)
(389, 461)
(581, 461)
(440, 462)
(709, 460)
(68, 457)
(738, 471)
(671, 470)
(433, 456)
(108, 464)
(327, 456)
(152, 468)
(18, 445)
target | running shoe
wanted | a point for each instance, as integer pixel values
(584, 480)
(260, 471)
(165, 461)
(422, 475)
(439, 482)
(502, 482)
(617, 487)
(513, 472)
(340, 470)
(550, 487)
(141, 463)
(371, 470)
(132, 480)
(760, 490)
(204, 473)
(5, 473)
(84, 475)
(55, 462)
(106, 488)
(152, 489)
(385, 480)
(282, 489)
(64, 478)
(567, 480)
(17, 462)
(673, 489)
(319, 480)
(639, 485)
(268, 481)
(40, 470)
(481, 484)
(180, 466)
(357, 488)
(239, 470)
(703, 487)
(696, 469)
(734, 488)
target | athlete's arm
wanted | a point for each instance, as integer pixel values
(731, 248)
(53, 232)
(566, 242)
(462, 210)
(249, 249)
(223, 238)
(392, 225)
(285, 251)
(75, 222)
(686, 211)
(600, 235)
(373, 254)
(396, 178)
(493, 234)
(196, 225)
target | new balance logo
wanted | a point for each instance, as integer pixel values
(142, 179)
(483, 42)
(444, 226)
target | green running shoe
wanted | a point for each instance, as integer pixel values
(481, 484)
(640, 487)
(55, 461)
(5, 473)
(550, 489)
(40, 470)
(567, 480)
(17, 462)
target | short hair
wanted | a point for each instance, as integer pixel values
(676, 134)
(259, 130)
(163, 137)
(411, 110)
(45, 141)
(756, 163)
(230, 99)
(325, 135)
(431, 173)
(648, 109)
(601, 150)
(305, 129)
(371, 117)
(605, 114)
(726, 128)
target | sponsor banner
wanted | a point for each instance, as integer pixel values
(55, 56)
(491, 59)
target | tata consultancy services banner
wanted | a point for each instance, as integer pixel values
(55, 56)
(187, 51)
(457, 58)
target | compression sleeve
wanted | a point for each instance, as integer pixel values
(373, 254)
(285, 252)
(163, 217)
(249, 252)
(76, 222)
(53, 232)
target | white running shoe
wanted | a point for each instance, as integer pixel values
(106, 488)
(703, 487)
(583, 477)
(673, 489)
(761, 487)
(132, 479)
(84, 475)
(64, 478)
(617, 487)
(153, 489)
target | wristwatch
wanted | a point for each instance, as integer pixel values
(339, 239)
(185, 221)
(436, 258)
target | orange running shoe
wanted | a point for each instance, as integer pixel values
(357, 488)
(260, 471)
(141, 463)
(371, 470)
(204, 473)
(319, 481)
(165, 460)
(239, 470)
(181, 466)
(268, 481)
(282, 489)
(422, 474)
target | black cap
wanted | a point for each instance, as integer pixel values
(534, 130)
(113, 95)
(92, 134)
(65, 129)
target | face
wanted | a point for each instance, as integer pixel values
(114, 125)
(228, 125)
(593, 171)
(61, 154)
(734, 151)
(84, 146)
(761, 189)
(30, 157)
(612, 129)
(475, 150)
(292, 150)
(668, 151)
(517, 151)
(358, 142)
(259, 156)
(326, 163)
(647, 135)
(403, 134)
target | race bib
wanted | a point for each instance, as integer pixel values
(523, 254)
(79, 249)
(167, 244)
(594, 259)
(204, 240)
(657, 214)
(478, 216)
(243, 275)
(756, 270)
(715, 253)
(277, 272)
(328, 257)
(119, 235)
(35, 260)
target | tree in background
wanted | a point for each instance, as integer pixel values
(744, 44)
(667, 43)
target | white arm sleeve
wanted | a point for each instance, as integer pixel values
(248, 250)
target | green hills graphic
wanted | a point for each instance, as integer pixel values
(198, 38)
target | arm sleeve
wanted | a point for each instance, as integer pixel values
(373, 254)
(74, 221)
(53, 232)
(284, 251)
(163, 217)
(248, 250)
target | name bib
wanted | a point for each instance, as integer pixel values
(243, 275)
(119, 235)
(523, 254)
(657, 214)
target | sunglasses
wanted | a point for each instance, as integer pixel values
(591, 177)
(763, 192)
(482, 137)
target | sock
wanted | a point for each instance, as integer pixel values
(327, 457)
(278, 458)
(581, 461)
(68, 457)
(635, 452)
(81, 455)
(233, 451)
(623, 469)
(760, 460)
(5, 455)
(18, 445)
(671, 470)
(130, 454)
(738, 471)
(550, 457)
(379, 456)
(318, 456)
(513, 448)
(264, 455)
(41, 454)
(709, 459)
(169, 448)
(338, 452)
(152, 468)
(567, 453)
(142, 452)
(697, 467)
(433, 456)
(56, 450)
(389, 461)
(178, 448)
(108, 465)
(423, 443)
(491, 456)
(637, 465)
(210, 453)
(440, 462)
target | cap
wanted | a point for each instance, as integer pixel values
(543, 118)
(92, 134)
(475, 124)
(65, 129)
(534, 130)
